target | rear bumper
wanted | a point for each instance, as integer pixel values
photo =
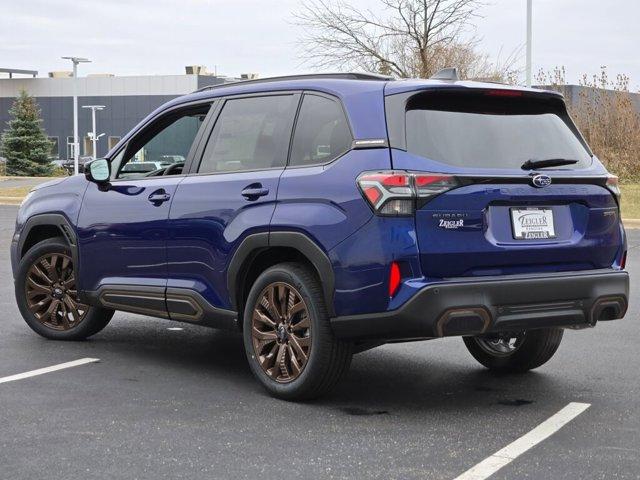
(495, 304)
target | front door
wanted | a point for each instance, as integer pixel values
(230, 194)
(122, 230)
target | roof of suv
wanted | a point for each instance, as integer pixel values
(343, 84)
(361, 94)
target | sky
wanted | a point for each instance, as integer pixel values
(240, 36)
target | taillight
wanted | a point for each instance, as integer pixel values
(394, 278)
(430, 185)
(623, 261)
(389, 193)
(395, 192)
(614, 187)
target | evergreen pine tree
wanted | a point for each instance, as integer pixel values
(24, 143)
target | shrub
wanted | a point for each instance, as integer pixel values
(607, 117)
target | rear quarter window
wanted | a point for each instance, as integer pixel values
(322, 133)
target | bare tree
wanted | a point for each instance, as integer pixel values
(406, 38)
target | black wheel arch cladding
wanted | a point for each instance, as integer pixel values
(255, 243)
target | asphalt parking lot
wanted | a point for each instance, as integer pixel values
(164, 403)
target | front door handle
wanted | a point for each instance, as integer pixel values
(159, 196)
(254, 191)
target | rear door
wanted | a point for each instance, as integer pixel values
(230, 194)
(496, 214)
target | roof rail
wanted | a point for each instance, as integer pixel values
(309, 76)
(450, 74)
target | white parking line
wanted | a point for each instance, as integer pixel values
(503, 457)
(53, 368)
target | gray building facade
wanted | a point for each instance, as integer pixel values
(127, 100)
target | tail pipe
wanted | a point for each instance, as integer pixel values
(608, 308)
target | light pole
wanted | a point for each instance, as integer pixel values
(529, 35)
(94, 135)
(76, 144)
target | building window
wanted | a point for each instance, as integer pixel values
(113, 141)
(88, 146)
(70, 155)
(54, 153)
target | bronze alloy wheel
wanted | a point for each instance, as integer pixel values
(501, 345)
(281, 332)
(51, 294)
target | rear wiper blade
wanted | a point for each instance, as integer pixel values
(549, 162)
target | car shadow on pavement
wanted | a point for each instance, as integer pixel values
(393, 379)
(381, 381)
(190, 350)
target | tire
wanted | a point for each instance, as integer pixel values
(534, 349)
(34, 304)
(327, 358)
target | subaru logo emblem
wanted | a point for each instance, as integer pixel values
(541, 181)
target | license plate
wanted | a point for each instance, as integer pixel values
(532, 223)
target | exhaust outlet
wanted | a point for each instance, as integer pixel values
(463, 321)
(608, 308)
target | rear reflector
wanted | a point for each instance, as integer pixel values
(394, 278)
(395, 192)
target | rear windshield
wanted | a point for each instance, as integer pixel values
(491, 131)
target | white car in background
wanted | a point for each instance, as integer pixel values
(136, 169)
(166, 160)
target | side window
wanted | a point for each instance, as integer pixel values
(322, 132)
(163, 144)
(250, 134)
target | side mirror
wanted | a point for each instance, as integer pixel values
(98, 171)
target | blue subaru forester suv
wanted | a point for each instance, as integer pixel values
(324, 215)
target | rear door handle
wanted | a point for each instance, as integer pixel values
(253, 192)
(159, 196)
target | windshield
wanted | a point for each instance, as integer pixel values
(490, 131)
